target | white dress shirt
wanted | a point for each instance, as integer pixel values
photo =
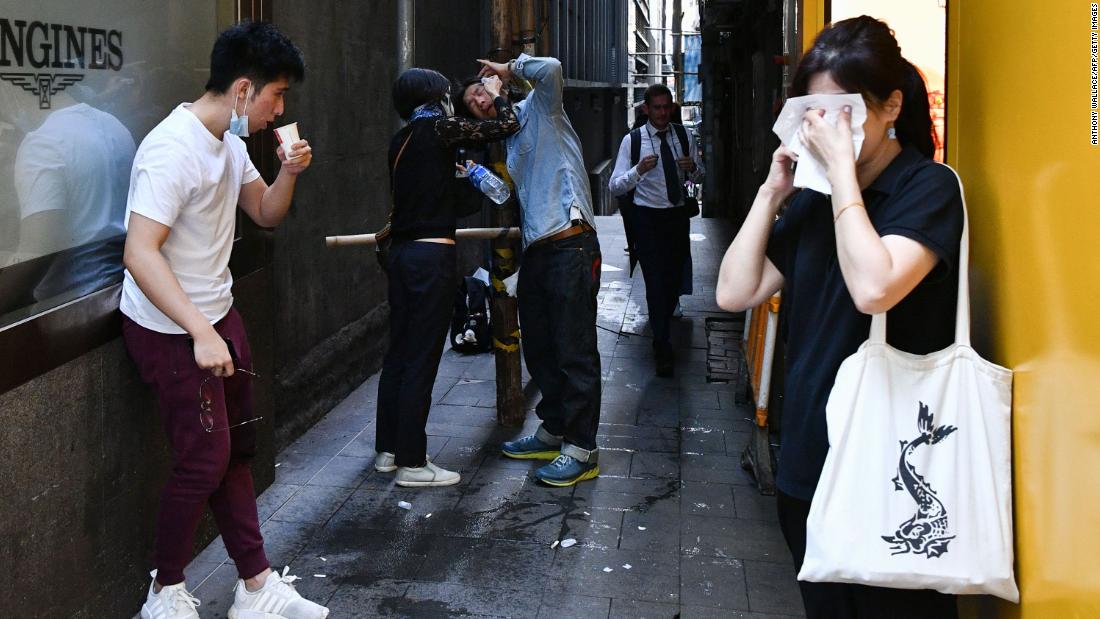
(649, 188)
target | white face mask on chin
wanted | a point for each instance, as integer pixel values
(238, 125)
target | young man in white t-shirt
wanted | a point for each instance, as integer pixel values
(189, 176)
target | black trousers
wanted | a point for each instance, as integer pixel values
(661, 238)
(845, 601)
(558, 287)
(422, 293)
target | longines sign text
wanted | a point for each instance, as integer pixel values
(42, 46)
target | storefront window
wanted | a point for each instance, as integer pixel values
(80, 85)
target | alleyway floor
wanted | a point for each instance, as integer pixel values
(672, 527)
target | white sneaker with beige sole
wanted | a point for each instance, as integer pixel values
(425, 476)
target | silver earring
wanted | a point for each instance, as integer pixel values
(891, 133)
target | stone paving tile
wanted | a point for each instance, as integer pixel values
(593, 527)
(216, 592)
(323, 443)
(430, 599)
(706, 612)
(343, 472)
(615, 463)
(652, 577)
(474, 562)
(732, 538)
(663, 445)
(634, 609)
(464, 451)
(375, 506)
(705, 499)
(273, 498)
(672, 501)
(715, 468)
(696, 443)
(651, 531)
(736, 441)
(284, 540)
(338, 552)
(655, 490)
(472, 392)
(312, 504)
(381, 598)
(213, 553)
(772, 588)
(574, 607)
(198, 570)
(362, 446)
(351, 421)
(298, 468)
(638, 431)
(523, 522)
(660, 418)
(751, 505)
(619, 414)
(655, 465)
(715, 582)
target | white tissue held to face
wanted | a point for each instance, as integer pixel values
(810, 173)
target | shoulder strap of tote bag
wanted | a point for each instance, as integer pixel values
(962, 309)
(384, 233)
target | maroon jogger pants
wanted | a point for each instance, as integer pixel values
(208, 468)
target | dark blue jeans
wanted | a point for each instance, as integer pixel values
(558, 285)
(422, 296)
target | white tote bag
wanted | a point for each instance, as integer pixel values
(916, 492)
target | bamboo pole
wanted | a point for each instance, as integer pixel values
(464, 233)
(527, 21)
(503, 18)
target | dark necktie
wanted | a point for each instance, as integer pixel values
(668, 164)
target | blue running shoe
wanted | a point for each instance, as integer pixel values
(530, 448)
(566, 471)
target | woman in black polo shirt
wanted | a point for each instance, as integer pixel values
(886, 240)
(427, 201)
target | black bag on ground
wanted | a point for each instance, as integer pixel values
(471, 332)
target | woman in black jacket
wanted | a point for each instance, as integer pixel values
(427, 201)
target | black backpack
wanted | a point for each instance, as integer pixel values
(627, 199)
(471, 332)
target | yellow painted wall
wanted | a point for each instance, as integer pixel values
(1019, 134)
(813, 20)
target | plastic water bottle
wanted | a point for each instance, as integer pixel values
(489, 184)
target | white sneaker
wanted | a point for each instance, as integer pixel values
(173, 602)
(427, 475)
(277, 599)
(384, 462)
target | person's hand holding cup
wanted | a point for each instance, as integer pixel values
(294, 152)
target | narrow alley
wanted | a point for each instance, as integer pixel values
(672, 527)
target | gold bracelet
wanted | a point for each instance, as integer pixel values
(844, 208)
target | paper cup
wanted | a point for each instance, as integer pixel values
(287, 135)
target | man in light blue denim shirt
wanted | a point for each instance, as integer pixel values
(560, 277)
